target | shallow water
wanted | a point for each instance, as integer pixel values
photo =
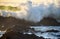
(42, 31)
(52, 32)
(1, 33)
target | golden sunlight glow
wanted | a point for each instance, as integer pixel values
(18, 2)
(12, 2)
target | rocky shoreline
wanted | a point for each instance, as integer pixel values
(16, 35)
(13, 26)
(43, 32)
(10, 22)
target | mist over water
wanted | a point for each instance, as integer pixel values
(34, 11)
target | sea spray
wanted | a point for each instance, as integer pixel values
(35, 11)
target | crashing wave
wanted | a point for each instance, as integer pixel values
(35, 11)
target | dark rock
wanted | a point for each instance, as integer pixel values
(11, 23)
(52, 30)
(49, 22)
(16, 35)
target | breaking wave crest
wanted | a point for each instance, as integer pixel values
(34, 12)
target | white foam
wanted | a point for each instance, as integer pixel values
(36, 11)
(1, 33)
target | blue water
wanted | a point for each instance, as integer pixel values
(41, 31)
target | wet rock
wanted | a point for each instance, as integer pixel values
(16, 35)
(52, 30)
(49, 22)
(41, 37)
(14, 26)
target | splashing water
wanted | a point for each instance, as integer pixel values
(35, 10)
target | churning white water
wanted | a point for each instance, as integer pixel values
(35, 10)
(1, 33)
(41, 31)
